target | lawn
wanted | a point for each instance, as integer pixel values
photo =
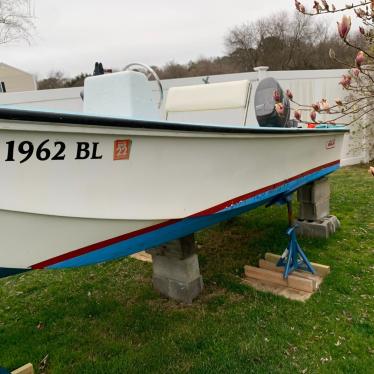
(108, 319)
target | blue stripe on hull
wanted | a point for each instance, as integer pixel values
(186, 226)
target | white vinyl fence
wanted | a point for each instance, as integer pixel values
(308, 86)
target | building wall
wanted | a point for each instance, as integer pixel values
(308, 86)
(16, 80)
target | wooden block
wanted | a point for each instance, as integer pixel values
(263, 264)
(275, 289)
(292, 281)
(321, 270)
(25, 369)
(142, 256)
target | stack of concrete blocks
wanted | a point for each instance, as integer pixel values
(176, 272)
(314, 219)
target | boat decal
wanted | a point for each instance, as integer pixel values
(121, 149)
(330, 144)
(160, 233)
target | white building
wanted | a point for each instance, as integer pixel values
(15, 80)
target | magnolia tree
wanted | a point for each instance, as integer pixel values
(15, 20)
(359, 79)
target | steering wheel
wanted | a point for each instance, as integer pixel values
(152, 73)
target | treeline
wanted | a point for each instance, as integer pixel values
(281, 41)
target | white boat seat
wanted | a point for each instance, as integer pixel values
(215, 103)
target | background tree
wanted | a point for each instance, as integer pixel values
(15, 20)
(284, 42)
(359, 79)
(56, 79)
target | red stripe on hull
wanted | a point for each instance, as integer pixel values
(212, 210)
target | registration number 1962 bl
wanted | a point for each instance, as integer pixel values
(49, 150)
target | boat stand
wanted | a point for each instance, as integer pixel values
(293, 257)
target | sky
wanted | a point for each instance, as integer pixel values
(70, 35)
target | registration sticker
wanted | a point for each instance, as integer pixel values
(330, 144)
(122, 149)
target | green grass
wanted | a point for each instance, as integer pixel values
(108, 319)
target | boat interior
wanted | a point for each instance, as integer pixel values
(138, 93)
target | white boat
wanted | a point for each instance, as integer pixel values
(79, 189)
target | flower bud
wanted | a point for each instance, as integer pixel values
(344, 26)
(331, 53)
(325, 4)
(316, 107)
(339, 102)
(325, 105)
(317, 6)
(346, 81)
(276, 96)
(279, 108)
(289, 94)
(297, 115)
(355, 72)
(360, 58)
(362, 30)
(313, 115)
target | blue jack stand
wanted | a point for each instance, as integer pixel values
(293, 257)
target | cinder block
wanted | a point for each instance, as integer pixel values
(318, 229)
(315, 191)
(314, 211)
(185, 270)
(185, 292)
(176, 272)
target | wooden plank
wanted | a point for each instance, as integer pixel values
(321, 270)
(292, 281)
(276, 289)
(263, 264)
(142, 256)
(25, 369)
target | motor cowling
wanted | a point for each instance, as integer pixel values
(266, 114)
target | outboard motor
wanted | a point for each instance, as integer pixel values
(124, 94)
(265, 105)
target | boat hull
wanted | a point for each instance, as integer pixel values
(95, 205)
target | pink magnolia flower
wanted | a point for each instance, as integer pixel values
(289, 94)
(297, 115)
(279, 108)
(344, 26)
(313, 115)
(345, 81)
(360, 58)
(276, 96)
(316, 107)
